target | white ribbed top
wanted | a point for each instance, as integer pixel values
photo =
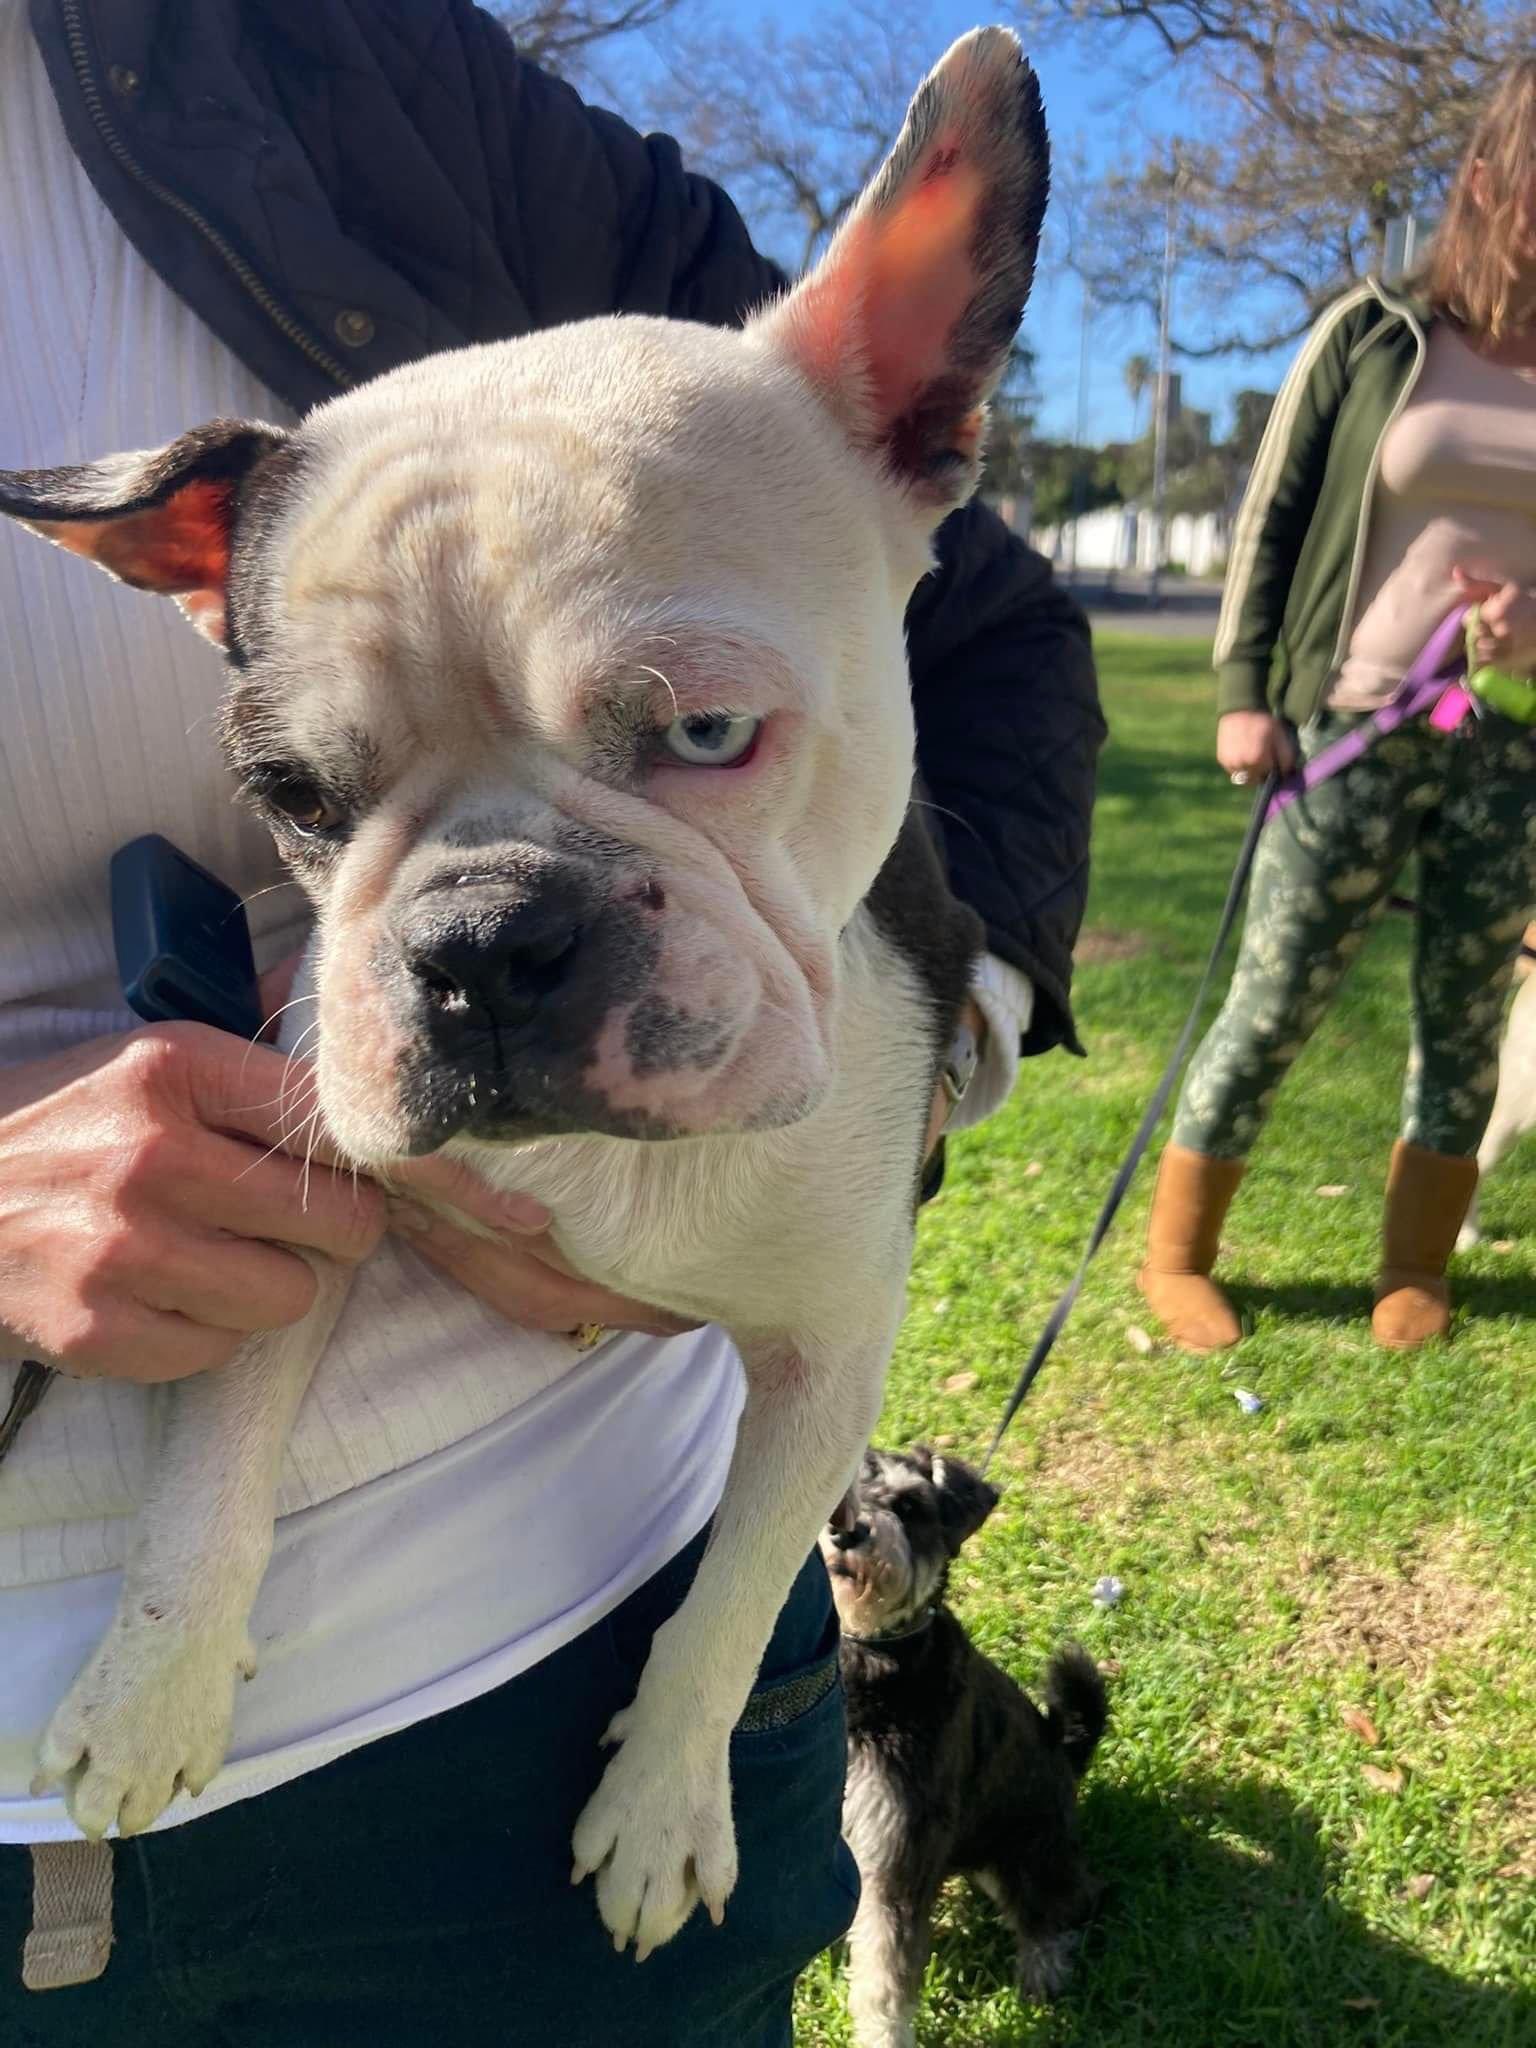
(461, 1497)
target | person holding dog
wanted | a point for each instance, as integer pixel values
(1393, 485)
(238, 210)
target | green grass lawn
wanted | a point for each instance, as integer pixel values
(1361, 1551)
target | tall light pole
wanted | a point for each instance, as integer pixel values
(1080, 432)
(1164, 393)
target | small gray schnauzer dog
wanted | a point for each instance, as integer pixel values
(951, 1768)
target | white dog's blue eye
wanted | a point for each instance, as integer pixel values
(711, 739)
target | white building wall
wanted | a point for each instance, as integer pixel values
(1123, 537)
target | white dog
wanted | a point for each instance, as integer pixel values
(1514, 1107)
(570, 675)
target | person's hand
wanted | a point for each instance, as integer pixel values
(518, 1273)
(1506, 636)
(1249, 744)
(523, 1277)
(146, 1193)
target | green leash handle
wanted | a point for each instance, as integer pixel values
(1513, 697)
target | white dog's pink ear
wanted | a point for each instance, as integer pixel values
(160, 519)
(906, 324)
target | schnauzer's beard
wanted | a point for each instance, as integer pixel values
(880, 1586)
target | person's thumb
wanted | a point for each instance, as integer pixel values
(451, 1182)
(1496, 609)
(1474, 589)
(527, 1283)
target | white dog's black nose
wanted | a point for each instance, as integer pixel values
(485, 973)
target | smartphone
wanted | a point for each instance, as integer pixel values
(183, 944)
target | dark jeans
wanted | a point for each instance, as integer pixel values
(419, 1890)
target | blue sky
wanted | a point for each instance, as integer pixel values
(1103, 101)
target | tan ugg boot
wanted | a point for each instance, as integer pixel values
(1189, 1207)
(1428, 1195)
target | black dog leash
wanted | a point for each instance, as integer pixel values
(1149, 1122)
(30, 1385)
(1143, 1138)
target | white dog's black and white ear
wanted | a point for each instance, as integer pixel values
(905, 326)
(160, 519)
(965, 1498)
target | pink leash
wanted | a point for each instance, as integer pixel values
(1432, 685)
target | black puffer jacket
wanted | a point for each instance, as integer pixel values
(339, 186)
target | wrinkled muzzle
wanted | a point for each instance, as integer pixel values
(516, 992)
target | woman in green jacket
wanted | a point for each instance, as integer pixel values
(1396, 480)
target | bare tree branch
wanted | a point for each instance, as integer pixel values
(794, 126)
(560, 34)
(1313, 125)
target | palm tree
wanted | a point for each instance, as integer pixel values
(1140, 377)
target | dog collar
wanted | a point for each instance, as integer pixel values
(903, 1635)
(959, 1068)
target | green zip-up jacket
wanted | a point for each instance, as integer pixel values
(1294, 571)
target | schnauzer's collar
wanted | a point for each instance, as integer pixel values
(920, 1627)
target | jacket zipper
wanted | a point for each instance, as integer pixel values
(286, 325)
(1357, 560)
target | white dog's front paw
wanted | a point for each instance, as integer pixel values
(1468, 1235)
(658, 1833)
(149, 1715)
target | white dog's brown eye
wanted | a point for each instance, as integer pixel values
(301, 803)
(712, 739)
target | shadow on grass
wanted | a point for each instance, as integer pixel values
(1158, 776)
(1481, 1295)
(1220, 1925)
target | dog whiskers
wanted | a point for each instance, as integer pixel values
(289, 1105)
(943, 811)
(268, 889)
(646, 670)
(297, 1072)
(292, 1004)
(311, 1135)
(271, 1153)
(268, 1102)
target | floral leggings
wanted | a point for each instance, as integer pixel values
(1465, 802)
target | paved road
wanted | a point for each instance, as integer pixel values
(1186, 609)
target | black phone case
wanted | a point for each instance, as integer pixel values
(183, 944)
